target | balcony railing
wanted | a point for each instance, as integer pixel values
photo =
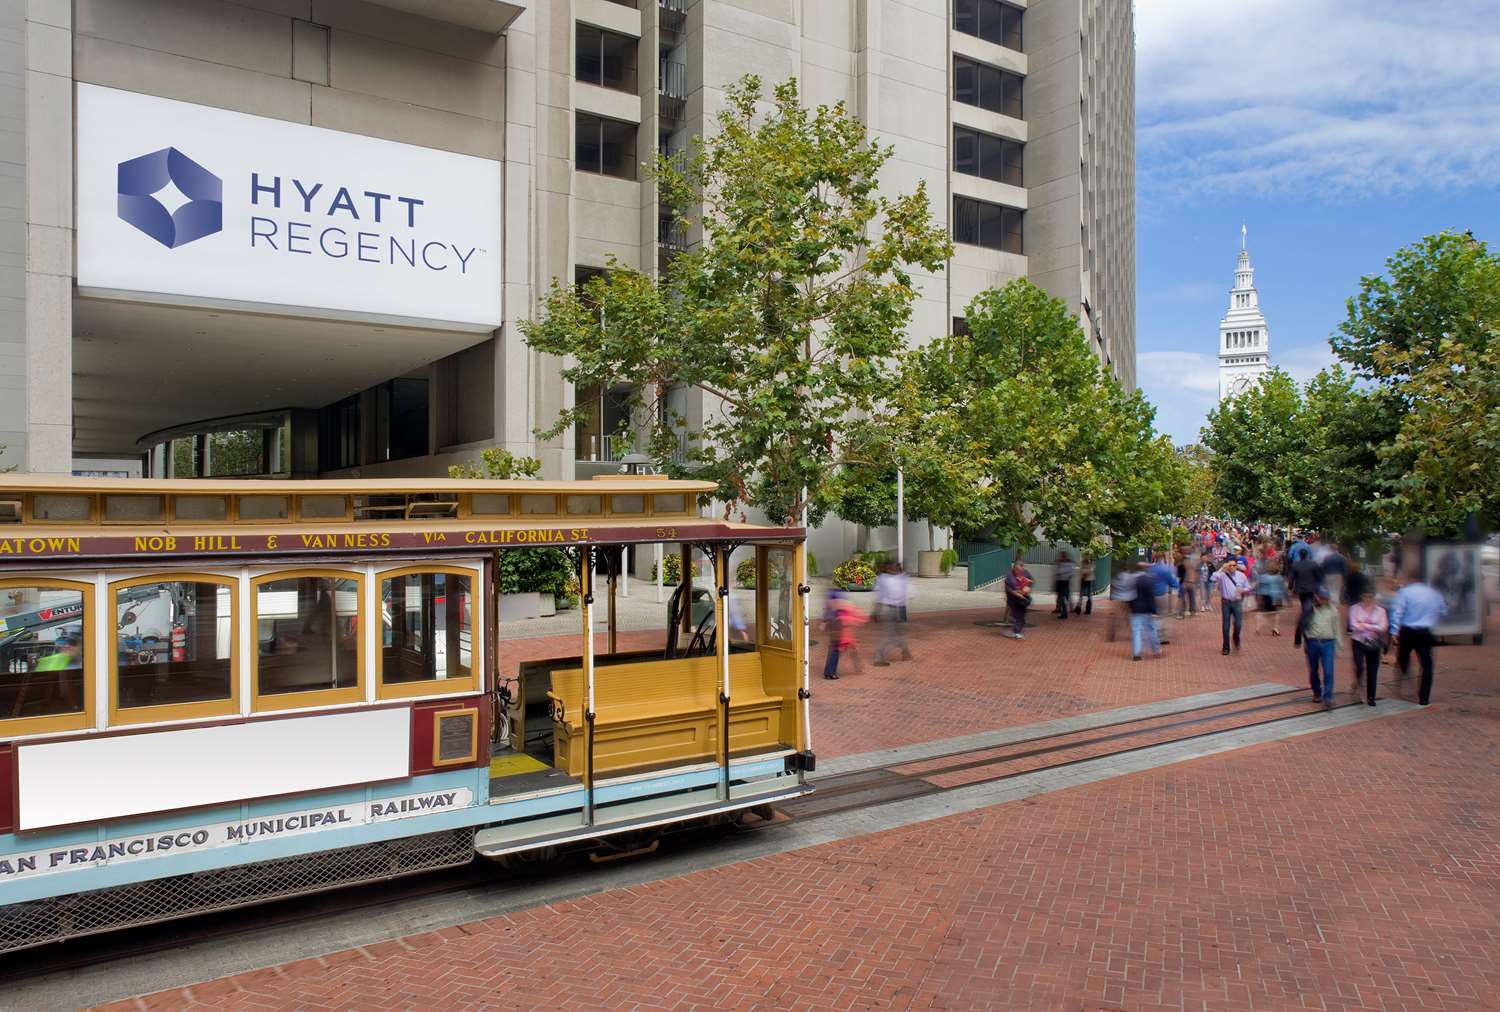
(672, 89)
(671, 234)
(674, 15)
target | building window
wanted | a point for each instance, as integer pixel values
(174, 648)
(606, 146)
(961, 326)
(993, 226)
(307, 637)
(428, 639)
(45, 670)
(606, 58)
(339, 432)
(989, 20)
(987, 156)
(401, 419)
(988, 87)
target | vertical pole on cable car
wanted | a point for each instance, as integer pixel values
(804, 591)
(612, 559)
(586, 588)
(721, 578)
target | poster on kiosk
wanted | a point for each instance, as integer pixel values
(187, 204)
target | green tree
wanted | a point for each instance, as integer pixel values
(788, 316)
(1427, 336)
(1346, 427)
(1015, 428)
(1199, 497)
(1260, 444)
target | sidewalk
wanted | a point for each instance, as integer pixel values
(1351, 869)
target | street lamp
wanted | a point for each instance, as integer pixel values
(637, 463)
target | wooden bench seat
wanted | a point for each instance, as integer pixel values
(651, 713)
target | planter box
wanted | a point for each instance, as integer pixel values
(515, 607)
(930, 564)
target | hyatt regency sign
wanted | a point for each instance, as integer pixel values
(186, 204)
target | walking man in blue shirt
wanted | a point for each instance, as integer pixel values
(1415, 615)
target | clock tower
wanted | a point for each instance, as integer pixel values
(1244, 343)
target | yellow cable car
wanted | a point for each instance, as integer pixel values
(277, 687)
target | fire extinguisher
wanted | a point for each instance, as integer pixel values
(179, 643)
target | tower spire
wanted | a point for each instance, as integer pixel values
(1243, 232)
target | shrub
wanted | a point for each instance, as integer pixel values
(535, 570)
(949, 560)
(744, 573)
(671, 570)
(812, 564)
(856, 574)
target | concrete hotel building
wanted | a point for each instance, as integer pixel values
(165, 162)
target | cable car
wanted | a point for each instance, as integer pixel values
(217, 693)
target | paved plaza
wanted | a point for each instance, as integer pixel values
(1357, 867)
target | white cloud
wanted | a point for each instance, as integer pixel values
(1323, 96)
(1304, 361)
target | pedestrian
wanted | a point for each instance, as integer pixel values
(1085, 603)
(1164, 578)
(1270, 591)
(1306, 578)
(1187, 586)
(1143, 615)
(839, 620)
(1232, 587)
(1319, 639)
(1205, 581)
(1122, 591)
(1415, 615)
(1018, 598)
(1335, 566)
(1369, 628)
(1062, 583)
(890, 600)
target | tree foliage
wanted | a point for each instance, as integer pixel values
(1257, 439)
(1426, 336)
(1016, 428)
(788, 316)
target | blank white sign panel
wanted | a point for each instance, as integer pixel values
(94, 779)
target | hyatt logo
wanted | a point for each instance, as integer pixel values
(141, 181)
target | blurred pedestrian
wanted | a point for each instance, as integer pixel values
(1319, 639)
(1270, 591)
(1335, 567)
(890, 601)
(1018, 598)
(1306, 577)
(1121, 593)
(840, 619)
(1415, 615)
(1143, 615)
(1232, 587)
(1062, 583)
(1163, 578)
(1369, 628)
(1085, 603)
(1205, 581)
(1187, 586)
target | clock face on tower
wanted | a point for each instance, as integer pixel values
(1239, 385)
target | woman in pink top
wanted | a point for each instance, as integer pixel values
(1368, 626)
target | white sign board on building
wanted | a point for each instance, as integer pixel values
(183, 203)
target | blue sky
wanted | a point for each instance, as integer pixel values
(1336, 130)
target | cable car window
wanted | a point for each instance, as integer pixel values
(132, 508)
(174, 648)
(43, 657)
(585, 505)
(307, 637)
(674, 502)
(427, 633)
(539, 505)
(489, 504)
(60, 508)
(780, 587)
(200, 507)
(263, 507)
(625, 505)
(323, 507)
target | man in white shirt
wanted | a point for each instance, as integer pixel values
(1233, 587)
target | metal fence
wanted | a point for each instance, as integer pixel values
(988, 568)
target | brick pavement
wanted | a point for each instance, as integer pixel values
(1355, 869)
